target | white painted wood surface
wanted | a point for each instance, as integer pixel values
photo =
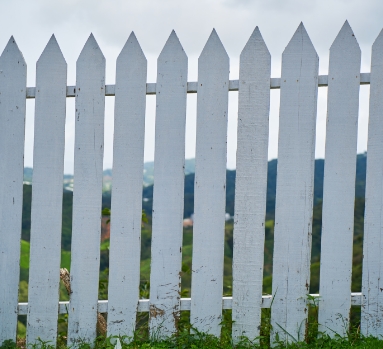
(251, 186)
(295, 188)
(210, 187)
(13, 81)
(86, 228)
(339, 183)
(126, 205)
(168, 190)
(372, 283)
(46, 215)
(343, 81)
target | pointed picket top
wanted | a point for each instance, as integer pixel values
(91, 50)
(52, 52)
(172, 47)
(339, 176)
(372, 274)
(13, 79)
(345, 41)
(13, 51)
(131, 48)
(378, 43)
(128, 157)
(300, 42)
(255, 42)
(89, 148)
(214, 47)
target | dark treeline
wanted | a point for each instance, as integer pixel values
(189, 196)
(189, 204)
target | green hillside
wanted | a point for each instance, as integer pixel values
(188, 236)
(228, 252)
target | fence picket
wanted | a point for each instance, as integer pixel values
(295, 184)
(210, 187)
(339, 183)
(13, 81)
(46, 215)
(168, 190)
(372, 301)
(294, 197)
(250, 186)
(126, 205)
(86, 228)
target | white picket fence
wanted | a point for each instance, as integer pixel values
(294, 199)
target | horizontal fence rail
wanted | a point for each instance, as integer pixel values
(275, 84)
(227, 303)
(192, 86)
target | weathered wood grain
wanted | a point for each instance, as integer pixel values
(339, 183)
(210, 187)
(372, 283)
(251, 186)
(295, 187)
(126, 205)
(168, 190)
(13, 81)
(46, 215)
(86, 226)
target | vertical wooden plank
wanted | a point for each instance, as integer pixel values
(295, 187)
(46, 215)
(339, 183)
(126, 206)
(210, 187)
(87, 193)
(13, 81)
(372, 283)
(168, 194)
(251, 186)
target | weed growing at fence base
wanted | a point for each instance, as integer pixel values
(190, 338)
(202, 340)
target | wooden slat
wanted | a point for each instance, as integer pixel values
(13, 76)
(46, 215)
(251, 186)
(210, 187)
(168, 190)
(372, 284)
(86, 229)
(339, 183)
(126, 206)
(295, 187)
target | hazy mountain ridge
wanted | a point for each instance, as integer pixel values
(360, 184)
(230, 185)
(148, 175)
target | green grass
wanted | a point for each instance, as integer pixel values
(190, 338)
(24, 256)
(185, 340)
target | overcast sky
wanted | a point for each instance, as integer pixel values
(33, 22)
